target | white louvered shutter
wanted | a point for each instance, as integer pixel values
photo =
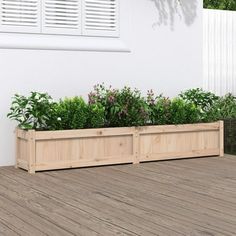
(101, 18)
(20, 16)
(61, 17)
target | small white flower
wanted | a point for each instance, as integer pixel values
(59, 119)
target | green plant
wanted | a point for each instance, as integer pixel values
(184, 112)
(224, 108)
(32, 112)
(227, 106)
(159, 109)
(124, 107)
(199, 97)
(204, 100)
(96, 116)
(220, 4)
(70, 113)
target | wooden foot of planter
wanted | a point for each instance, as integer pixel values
(48, 150)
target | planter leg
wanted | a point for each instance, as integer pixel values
(31, 151)
(221, 139)
(136, 148)
(31, 171)
(136, 162)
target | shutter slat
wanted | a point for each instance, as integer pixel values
(20, 16)
(62, 17)
(101, 17)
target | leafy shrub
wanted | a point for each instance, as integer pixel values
(159, 109)
(224, 108)
(220, 4)
(70, 113)
(108, 107)
(32, 112)
(96, 116)
(183, 112)
(125, 107)
(204, 100)
(200, 98)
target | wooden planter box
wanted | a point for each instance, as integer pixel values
(48, 150)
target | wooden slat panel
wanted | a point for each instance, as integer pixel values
(172, 145)
(179, 128)
(84, 163)
(22, 134)
(47, 135)
(167, 198)
(179, 155)
(23, 150)
(84, 149)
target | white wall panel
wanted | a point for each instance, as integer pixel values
(164, 57)
(219, 51)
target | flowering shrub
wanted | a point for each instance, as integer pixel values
(125, 107)
(159, 109)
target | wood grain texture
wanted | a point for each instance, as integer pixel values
(178, 197)
(48, 150)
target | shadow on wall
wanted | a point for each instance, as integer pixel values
(168, 10)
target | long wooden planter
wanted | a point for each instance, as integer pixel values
(48, 150)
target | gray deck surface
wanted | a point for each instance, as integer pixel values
(181, 197)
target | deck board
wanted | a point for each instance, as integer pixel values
(180, 197)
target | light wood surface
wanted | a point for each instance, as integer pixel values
(192, 197)
(48, 150)
(221, 138)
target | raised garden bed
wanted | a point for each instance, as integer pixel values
(50, 150)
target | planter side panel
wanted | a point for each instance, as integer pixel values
(179, 144)
(22, 153)
(83, 151)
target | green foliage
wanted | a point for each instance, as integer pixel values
(96, 116)
(184, 112)
(70, 113)
(32, 112)
(224, 108)
(200, 98)
(124, 107)
(159, 109)
(220, 4)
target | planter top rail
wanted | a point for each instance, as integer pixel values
(106, 132)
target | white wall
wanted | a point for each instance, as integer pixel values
(219, 54)
(166, 55)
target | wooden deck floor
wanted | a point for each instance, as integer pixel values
(183, 197)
